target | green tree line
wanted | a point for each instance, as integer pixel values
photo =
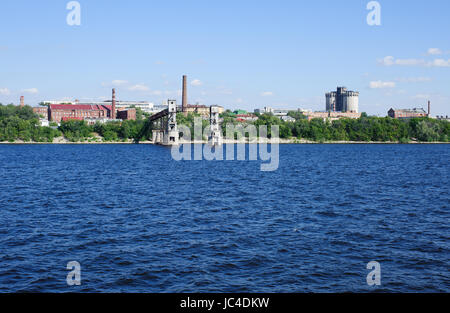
(21, 123)
(383, 129)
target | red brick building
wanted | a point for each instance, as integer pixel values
(127, 114)
(58, 112)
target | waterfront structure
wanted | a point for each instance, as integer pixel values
(215, 137)
(342, 100)
(166, 131)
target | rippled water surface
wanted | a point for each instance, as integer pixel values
(137, 221)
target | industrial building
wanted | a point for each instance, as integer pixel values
(61, 112)
(127, 114)
(64, 112)
(410, 113)
(342, 100)
(145, 106)
(407, 113)
(89, 112)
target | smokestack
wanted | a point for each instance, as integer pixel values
(429, 108)
(184, 103)
(113, 113)
(22, 101)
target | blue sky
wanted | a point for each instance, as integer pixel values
(238, 54)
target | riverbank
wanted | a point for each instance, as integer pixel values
(99, 141)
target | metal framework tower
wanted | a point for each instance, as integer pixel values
(171, 134)
(215, 137)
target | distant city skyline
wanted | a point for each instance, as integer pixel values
(248, 55)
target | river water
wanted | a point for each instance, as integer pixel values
(138, 221)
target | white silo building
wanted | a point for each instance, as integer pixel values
(330, 101)
(351, 102)
(342, 100)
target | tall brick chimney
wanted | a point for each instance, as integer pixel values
(429, 108)
(22, 101)
(113, 113)
(184, 103)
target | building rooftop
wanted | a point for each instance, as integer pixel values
(80, 107)
(415, 110)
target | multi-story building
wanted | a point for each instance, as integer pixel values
(145, 106)
(342, 100)
(58, 112)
